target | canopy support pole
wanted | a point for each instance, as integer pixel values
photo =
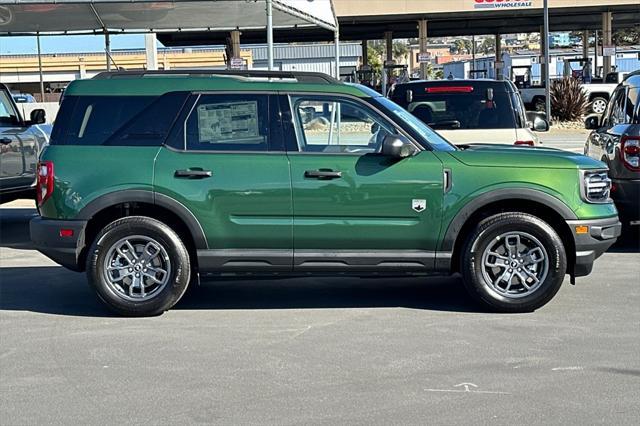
(547, 79)
(107, 49)
(270, 34)
(337, 46)
(40, 68)
(422, 37)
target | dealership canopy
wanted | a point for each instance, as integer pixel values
(24, 17)
(97, 16)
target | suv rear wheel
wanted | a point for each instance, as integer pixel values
(138, 266)
(513, 262)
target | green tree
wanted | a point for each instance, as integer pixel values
(626, 36)
(400, 50)
(488, 45)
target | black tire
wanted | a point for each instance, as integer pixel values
(486, 233)
(178, 258)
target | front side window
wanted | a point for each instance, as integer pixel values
(228, 123)
(334, 125)
(419, 129)
(615, 108)
(8, 115)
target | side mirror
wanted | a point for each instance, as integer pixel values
(397, 146)
(592, 122)
(540, 124)
(537, 121)
(37, 117)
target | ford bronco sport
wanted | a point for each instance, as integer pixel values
(153, 178)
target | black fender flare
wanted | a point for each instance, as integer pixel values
(522, 194)
(149, 197)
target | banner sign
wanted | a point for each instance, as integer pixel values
(501, 4)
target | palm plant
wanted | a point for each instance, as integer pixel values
(569, 101)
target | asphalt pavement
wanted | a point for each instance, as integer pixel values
(316, 350)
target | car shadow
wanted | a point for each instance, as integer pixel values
(55, 290)
(628, 244)
(14, 227)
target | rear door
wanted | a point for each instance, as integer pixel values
(354, 208)
(227, 165)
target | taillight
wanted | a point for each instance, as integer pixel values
(630, 152)
(44, 185)
(525, 143)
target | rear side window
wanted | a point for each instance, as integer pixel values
(116, 120)
(96, 118)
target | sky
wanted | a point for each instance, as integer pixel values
(69, 44)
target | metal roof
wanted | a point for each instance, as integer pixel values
(97, 16)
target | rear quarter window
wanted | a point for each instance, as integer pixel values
(116, 120)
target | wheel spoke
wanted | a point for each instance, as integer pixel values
(150, 251)
(523, 280)
(153, 274)
(130, 253)
(499, 262)
(123, 271)
(533, 256)
(532, 275)
(511, 243)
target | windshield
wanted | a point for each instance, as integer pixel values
(420, 130)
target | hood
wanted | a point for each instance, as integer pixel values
(523, 156)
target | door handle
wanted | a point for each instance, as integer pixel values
(5, 141)
(323, 174)
(193, 173)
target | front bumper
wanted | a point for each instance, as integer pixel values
(47, 238)
(600, 235)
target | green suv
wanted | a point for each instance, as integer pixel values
(152, 179)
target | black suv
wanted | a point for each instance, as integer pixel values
(615, 140)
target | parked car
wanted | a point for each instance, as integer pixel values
(150, 182)
(20, 144)
(615, 140)
(598, 93)
(471, 111)
(23, 98)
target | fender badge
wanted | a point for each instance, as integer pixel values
(419, 205)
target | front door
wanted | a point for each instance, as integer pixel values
(354, 208)
(18, 148)
(228, 167)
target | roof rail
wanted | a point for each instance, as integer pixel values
(301, 76)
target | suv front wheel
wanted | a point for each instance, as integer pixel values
(513, 262)
(138, 266)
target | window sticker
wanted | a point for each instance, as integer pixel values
(222, 122)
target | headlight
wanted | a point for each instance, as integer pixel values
(595, 186)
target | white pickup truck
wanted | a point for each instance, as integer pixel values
(598, 93)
